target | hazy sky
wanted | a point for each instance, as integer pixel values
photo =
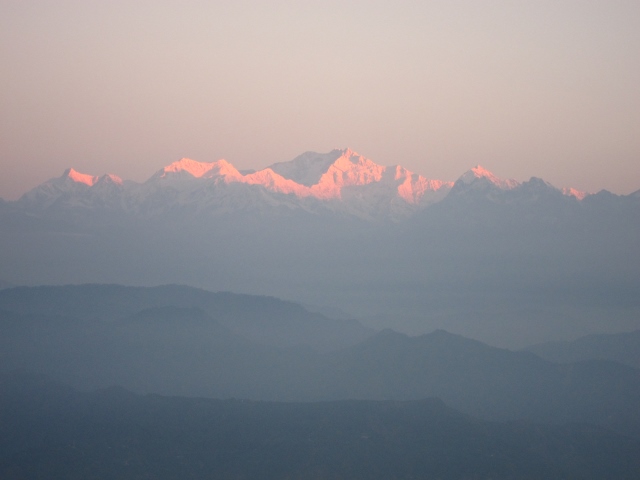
(525, 88)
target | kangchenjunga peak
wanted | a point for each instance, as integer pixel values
(339, 180)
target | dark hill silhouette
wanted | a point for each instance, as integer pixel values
(54, 432)
(263, 319)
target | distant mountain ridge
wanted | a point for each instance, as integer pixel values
(340, 181)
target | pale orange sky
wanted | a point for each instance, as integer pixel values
(525, 88)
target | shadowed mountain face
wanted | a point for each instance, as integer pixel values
(52, 431)
(180, 350)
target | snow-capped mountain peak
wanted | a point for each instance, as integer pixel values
(78, 177)
(349, 169)
(223, 169)
(275, 182)
(572, 192)
(480, 173)
(108, 179)
(416, 189)
(308, 168)
(197, 169)
(74, 187)
(324, 175)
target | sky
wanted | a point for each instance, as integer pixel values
(525, 88)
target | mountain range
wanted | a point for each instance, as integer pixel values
(504, 262)
(148, 341)
(338, 181)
